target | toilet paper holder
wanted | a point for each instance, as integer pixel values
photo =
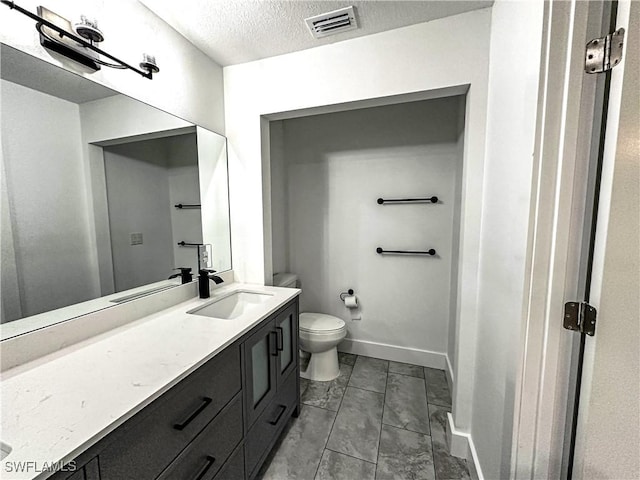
(344, 294)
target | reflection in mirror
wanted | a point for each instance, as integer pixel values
(90, 180)
(143, 180)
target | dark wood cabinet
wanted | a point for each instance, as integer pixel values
(286, 325)
(259, 354)
(234, 468)
(272, 392)
(219, 423)
(265, 431)
(270, 356)
(204, 457)
(142, 448)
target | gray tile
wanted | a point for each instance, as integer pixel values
(304, 384)
(447, 466)
(356, 431)
(328, 394)
(404, 455)
(406, 369)
(345, 374)
(405, 404)
(369, 374)
(437, 387)
(323, 395)
(438, 422)
(336, 466)
(347, 358)
(301, 448)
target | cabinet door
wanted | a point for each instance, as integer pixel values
(260, 354)
(286, 324)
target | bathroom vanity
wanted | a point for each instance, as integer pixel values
(200, 390)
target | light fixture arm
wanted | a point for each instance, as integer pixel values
(43, 22)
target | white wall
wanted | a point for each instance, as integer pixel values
(338, 164)
(144, 180)
(189, 83)
(42, 159)
(412, 62)
(455, 253)
(10, 291)
(279, 199)
(138, 199)
(184, 187)
(511, 117)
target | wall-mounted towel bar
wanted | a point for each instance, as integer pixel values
(431, 251)
(434, 199)
(186, 244)
(187, 205)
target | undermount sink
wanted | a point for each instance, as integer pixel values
(232, 305)
(4, 450)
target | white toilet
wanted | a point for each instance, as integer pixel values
(320, 334)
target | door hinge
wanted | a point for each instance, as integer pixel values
(580, 317)
(604, 53)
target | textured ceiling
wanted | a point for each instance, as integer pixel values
(239, 31)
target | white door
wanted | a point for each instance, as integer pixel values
(608, 427)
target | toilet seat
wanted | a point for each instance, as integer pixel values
(320, 323)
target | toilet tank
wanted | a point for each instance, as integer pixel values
(288, 280)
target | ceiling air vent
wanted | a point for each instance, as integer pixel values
(332, 22)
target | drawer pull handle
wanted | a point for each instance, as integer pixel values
(279, 339)
(182, 425)
(277, 419)
(274, 351)
(205, 468)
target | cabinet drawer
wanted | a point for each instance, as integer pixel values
(202, 459)
(143, 447)
(234, 468)
(270, 423)
(89, 471)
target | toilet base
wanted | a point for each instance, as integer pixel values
(323, 366)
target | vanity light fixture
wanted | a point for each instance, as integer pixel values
(78, 41)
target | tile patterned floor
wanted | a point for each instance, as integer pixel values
(378, 420)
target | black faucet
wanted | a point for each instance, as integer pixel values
(203, 281)
(185, 274)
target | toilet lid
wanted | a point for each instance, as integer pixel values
(320, 322)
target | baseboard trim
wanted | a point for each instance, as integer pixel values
(395, 353)
(461, 445)
(449, 372)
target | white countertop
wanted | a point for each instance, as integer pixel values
(57, 406)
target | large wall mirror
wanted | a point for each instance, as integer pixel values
(103, 196)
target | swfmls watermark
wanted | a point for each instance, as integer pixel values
(38, 467)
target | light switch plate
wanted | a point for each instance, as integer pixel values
(136, 239)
